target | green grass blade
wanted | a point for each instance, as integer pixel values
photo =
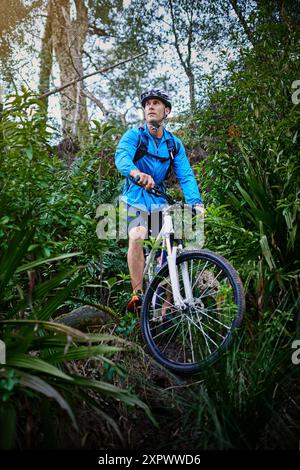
(17, 248)
(50, 308)
(41, 386)
(23, 361)
(117, 393)
(43, 289)
(52, 326)
(34, 264)
(82, 352)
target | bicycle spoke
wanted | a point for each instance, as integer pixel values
(214, 331)
(203, 334)
(214, 319)
(218, 313)
(190, 319)
(162, 316)
(165, 333)
(191, 342)
(158, 295)
(199, 275)
(202, 327)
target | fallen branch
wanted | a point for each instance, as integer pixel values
(105, 111)
(106, 69)
(95, 100)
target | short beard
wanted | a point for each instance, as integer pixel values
(155, 125)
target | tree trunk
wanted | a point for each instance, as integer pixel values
(191, 78)
(46, 58)
(68, 38)
(242, 21)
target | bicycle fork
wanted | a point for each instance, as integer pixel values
(174, 277)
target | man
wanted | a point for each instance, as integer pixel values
(163, 148)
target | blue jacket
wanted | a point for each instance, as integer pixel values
(137, 196)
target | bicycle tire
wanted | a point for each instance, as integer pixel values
(232, 303)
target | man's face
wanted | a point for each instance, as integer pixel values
(155, 111)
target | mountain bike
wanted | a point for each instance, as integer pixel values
(194, 301)
(193, 305)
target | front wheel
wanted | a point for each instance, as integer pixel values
(187, 338)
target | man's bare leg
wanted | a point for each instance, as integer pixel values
(135, 257)
(167, 305)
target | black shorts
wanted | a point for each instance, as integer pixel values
(152, 222)
(139, 218)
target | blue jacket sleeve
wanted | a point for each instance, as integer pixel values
(126, 150)
(185, 176)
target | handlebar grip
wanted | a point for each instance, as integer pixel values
(136, 179)
(156, 190)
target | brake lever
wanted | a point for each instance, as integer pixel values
(156, 191)
(136, 181)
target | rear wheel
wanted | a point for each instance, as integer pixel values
(189, 338)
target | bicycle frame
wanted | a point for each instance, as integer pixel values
(164, 236)
(190, 330)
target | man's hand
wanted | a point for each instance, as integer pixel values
(199, 209)
(144, 180)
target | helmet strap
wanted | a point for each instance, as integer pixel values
(154, 126)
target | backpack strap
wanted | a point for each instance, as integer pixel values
(173, 150)
(142, 145)
(142, 149)
(172, 147)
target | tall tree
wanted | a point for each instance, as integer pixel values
(65, 35)
(117, 31)
(102, 33)
(183, 24)
(189, 30)
(13, 14)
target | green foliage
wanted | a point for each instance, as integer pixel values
(127, 324)
(249, 176)
(64, 217)
(41, 347)
(7, 385)
(46, 209)
(248, 131)
(251, 173)
(237, 399)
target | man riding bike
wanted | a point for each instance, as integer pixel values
(147, 153)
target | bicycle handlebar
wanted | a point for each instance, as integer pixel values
(156, 191)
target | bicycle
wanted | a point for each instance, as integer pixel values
(193, 304)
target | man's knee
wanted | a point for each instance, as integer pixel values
(137, 234)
